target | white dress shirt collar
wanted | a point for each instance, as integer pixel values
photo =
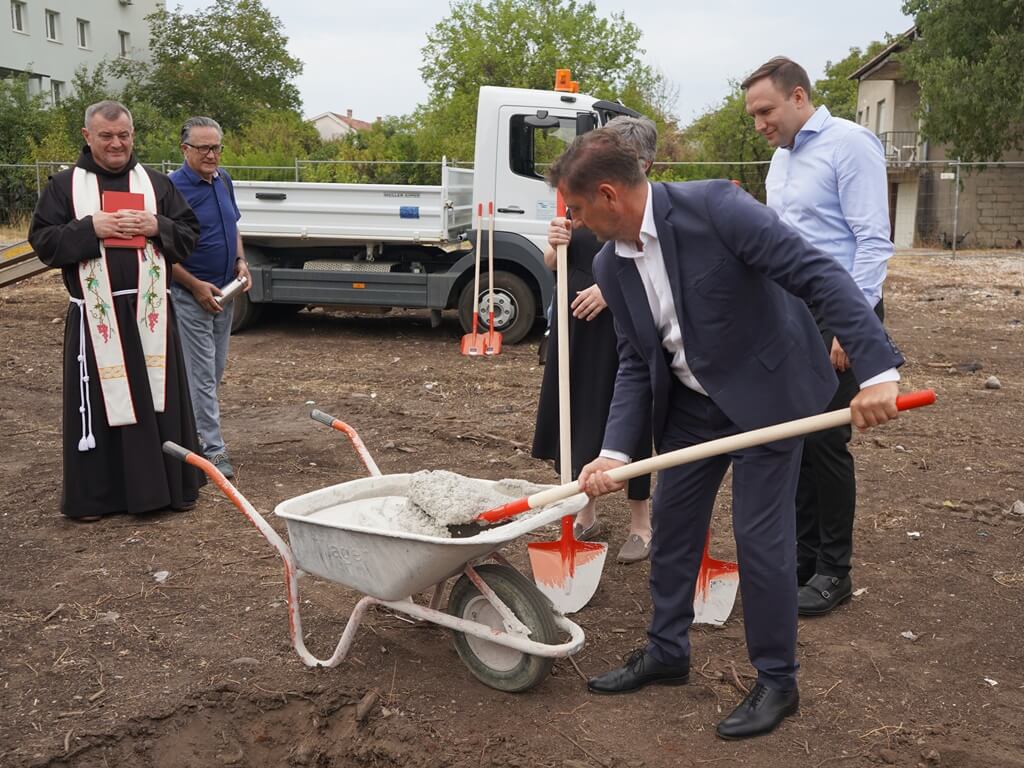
(648, 232)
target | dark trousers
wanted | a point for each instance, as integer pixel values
(826, 495)
(764, 485)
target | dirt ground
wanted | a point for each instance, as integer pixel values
(101, 664)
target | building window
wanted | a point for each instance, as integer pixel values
(860, 117)
(19, 16)
(56, 91)
(880, 117)
(125, 40)
(53, 26)
(83, 33)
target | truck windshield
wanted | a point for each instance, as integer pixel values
(532, 150)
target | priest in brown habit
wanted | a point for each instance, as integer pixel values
(125, 391)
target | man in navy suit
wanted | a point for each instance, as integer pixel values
(710, 293)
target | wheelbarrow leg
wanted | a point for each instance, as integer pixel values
(291, 569)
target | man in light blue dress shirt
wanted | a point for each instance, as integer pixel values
(827, 180)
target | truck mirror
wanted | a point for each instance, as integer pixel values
(542, 120)
(585, 122)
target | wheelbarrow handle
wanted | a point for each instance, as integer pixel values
(323, 418)
(357, 442)
(743, 440)
(175, 450)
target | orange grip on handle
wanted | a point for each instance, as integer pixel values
(559, 205)
(915, 399)
(480, 210)
(490, 207)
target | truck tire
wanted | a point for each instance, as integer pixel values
(515, 307)
(245, 313)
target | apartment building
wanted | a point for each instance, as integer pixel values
(51, 39)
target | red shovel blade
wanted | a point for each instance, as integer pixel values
(492, 342)
(474, 343)
(567, 571)
(717, 582)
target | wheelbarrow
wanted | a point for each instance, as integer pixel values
(505, 630)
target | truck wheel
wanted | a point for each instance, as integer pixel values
(515, 307)
(245, 313)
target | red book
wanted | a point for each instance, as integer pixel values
(120, 201)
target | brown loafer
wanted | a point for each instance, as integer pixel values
(587, 534)
(86, 519)
(634, 550)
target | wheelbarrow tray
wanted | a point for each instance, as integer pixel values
(391, 564)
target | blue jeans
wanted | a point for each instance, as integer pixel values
(204, 342)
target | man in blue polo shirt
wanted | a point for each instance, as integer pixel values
(203, 324)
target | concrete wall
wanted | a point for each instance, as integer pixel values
(56, 60)
(906, 97)
(998, 207)
(989, 211)
(869, 93)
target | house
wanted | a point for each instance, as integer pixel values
(331, 125)
(932, 198)
(50, 40)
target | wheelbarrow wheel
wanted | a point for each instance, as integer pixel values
(498, 666)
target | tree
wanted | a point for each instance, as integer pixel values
(228, 61)
(520, 44)
(967, 61)
(22, 118)
(727, 134)
(22, 121)
(836, 90)
(271, 138)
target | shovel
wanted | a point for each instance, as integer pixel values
(473, 343)
(782, 431)
(715, 594)
(567, 571)
(492, 343)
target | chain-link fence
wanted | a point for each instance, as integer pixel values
(932, 204)
(948, 204)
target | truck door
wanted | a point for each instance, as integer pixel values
(522, 199)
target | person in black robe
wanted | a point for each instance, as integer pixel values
(127, 471)
(593, 363)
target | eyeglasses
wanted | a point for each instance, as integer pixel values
(206, 149)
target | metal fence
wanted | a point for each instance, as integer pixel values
(938, 204)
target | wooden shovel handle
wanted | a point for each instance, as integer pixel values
(706, 450)
(754, 437)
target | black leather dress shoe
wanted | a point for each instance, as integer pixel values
(640, 669)
(762, 710)
(823, 593)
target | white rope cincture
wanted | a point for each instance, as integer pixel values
(88, 440)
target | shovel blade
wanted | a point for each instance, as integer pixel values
(473, 344)
(715, 594)
(568, 581)
(492, 343)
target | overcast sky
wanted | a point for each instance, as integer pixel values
(365, 55)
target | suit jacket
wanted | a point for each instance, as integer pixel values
(742, 282)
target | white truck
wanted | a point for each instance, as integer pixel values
(412, 246)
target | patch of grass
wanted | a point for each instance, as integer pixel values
(14, 232)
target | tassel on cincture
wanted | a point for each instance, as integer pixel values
(83, 445)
